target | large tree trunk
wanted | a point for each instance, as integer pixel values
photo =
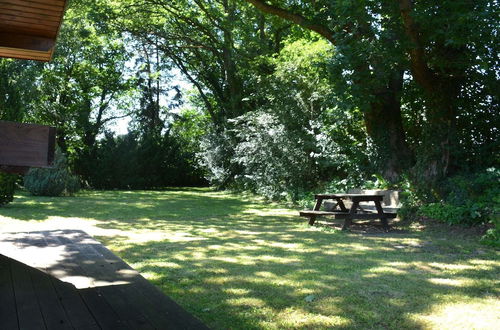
(440, 92)
(233, 90)
(384, 126)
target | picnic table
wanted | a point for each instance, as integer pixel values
(340, 211)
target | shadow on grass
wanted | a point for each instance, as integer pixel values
(239, 263)
(257, 274)
(187, 203)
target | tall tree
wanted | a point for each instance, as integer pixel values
(213, 44)
(378, 41)
(368, 45)
(17, 90)
(84, 86)
(448, 44)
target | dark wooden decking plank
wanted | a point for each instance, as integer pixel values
(8, 311)
(28, 310)
(162, 311)
(74, 306)
(109, 294)
(128, 307)
(101, 311)
(100, 268)
(154, 311)
(92, 264)
(53, 312)
(175, 316)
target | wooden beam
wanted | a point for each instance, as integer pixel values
(14, 169)
(26, 145)
(22, 41)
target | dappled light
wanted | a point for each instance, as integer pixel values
(87, 288)
(59, 253)
(237, 262)
(378, 118)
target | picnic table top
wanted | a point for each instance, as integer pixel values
(325, 196)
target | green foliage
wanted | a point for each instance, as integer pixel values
(142, 162)
(217, 151)
(471, 199)
(85, 86)
(17, 90)
(276, 162)
(492, 236)
(276, 108)
(453, 214)
(7, 188)
(297, 139)
(54, 181)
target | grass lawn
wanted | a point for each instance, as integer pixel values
(239, 263)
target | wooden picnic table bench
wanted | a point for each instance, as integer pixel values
(340, 210)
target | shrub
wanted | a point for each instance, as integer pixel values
(492, 236)
(217, 150)
(140, 161)
(468, 199)
(7, 187)
(54, 181)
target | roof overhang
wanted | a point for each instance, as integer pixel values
(29, 28)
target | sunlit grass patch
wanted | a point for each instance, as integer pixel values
(470, 314)
(239, 263)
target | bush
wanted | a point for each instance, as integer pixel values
(492, 236)
(7, 187)
(217, 151)
(468, 199)
(54, 181)
(135, 161)
(468, 214)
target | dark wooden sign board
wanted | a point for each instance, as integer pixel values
(26, 145)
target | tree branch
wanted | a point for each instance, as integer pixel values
(185, 71)
(420, 70)
(295, 18)
(114, 117)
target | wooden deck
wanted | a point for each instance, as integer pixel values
(67, 280)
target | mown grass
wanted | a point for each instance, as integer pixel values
(240, 263)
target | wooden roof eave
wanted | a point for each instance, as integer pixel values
(29, 28)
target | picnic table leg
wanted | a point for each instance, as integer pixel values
(348, 220)
(383, 218)
(317, 206)
(341, 205)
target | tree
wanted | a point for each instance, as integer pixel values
(450, 47)
(374, 57)
(353, 28)
(213, 44)
(16, 88)
(85, 87)
(16, 91)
